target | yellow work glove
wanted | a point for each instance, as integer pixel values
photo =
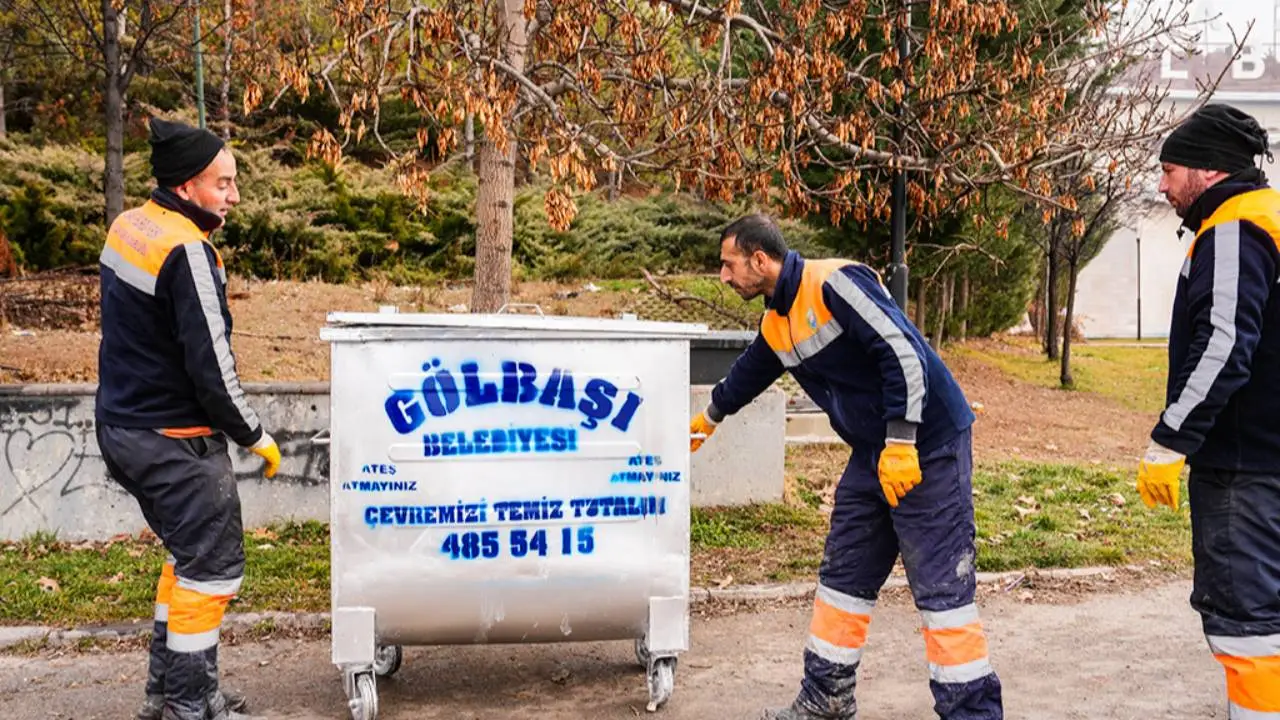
(899, 470)
(267, 449)
(700, 428)
(1159, 475)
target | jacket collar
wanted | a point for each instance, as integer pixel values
(784, 292)
(1213, 197)
(203, 219)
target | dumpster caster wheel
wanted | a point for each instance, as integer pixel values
(642, 653)
(662, 680)
(386, 661)
(364, 706)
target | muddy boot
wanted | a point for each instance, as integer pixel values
(795, 711)
(221, 707)
(224, 714)
(153, 707)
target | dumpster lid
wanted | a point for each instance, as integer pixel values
(395, 326)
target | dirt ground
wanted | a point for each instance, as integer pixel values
(1134, 651)
(49, 334)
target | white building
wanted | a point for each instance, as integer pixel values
(1127, 290)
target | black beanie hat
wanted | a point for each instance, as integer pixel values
(180, 152)
(1216, 137)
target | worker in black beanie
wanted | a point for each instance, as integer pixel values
(1222, 393)
(1217, 139)
(180, 152)
(169, 402)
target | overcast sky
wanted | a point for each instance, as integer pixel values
(1236, 14)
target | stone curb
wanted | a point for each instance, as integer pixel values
(243, 622)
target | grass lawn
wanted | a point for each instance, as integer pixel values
(1133, 376)
(1028, 515)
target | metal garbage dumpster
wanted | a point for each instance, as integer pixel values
(507, 479)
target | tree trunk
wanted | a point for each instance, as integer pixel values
(113, 174)
(469, 132)
(1051, 304)
(940, 320)
(224, 92)
(946, 296)
(922, 302)
(1073, 272)
(495, 197)
(964, 305)
(4, 130)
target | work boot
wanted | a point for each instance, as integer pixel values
(794, 711)
(153, 707)
(224, 714)
(221, 708)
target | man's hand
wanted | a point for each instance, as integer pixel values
(899, 470)
(1159, 475)
(267, 449)
(700, 428)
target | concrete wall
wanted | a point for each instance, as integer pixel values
(52, 476)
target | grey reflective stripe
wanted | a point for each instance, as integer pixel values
(872, 315)
(179, 642)
(127, 272)
(162, 612)
(845, 603)
(171, 560)
(1245, 647)
(959, 617)
(789, 359)
(967, 672)
(222, 274)
(1226, 281)
(212, 587)
(1235, 712)
(833, 653)
(1186, 268)
(202, 276)
(822, 338)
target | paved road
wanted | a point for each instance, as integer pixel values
(1134, 654)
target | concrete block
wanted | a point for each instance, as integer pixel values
(810, 428)
(10, 636)
(744, 461)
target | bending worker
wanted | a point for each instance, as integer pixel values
(907, 486)
(1222, 396)
(168, 399)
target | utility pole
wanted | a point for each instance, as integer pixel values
(898, 271)
(1139, 238)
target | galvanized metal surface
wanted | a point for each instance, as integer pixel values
(484, 490)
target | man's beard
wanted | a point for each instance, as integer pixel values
(1192, 192)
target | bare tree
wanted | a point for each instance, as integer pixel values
(731, 101)
(6, 57)
(95, 34)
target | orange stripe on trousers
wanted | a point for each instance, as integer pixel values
(1253, 682)
(955, 646)
(840, 628)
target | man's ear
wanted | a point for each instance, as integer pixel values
(759, 261)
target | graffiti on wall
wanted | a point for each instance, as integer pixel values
(49, 455)
(47, 452)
